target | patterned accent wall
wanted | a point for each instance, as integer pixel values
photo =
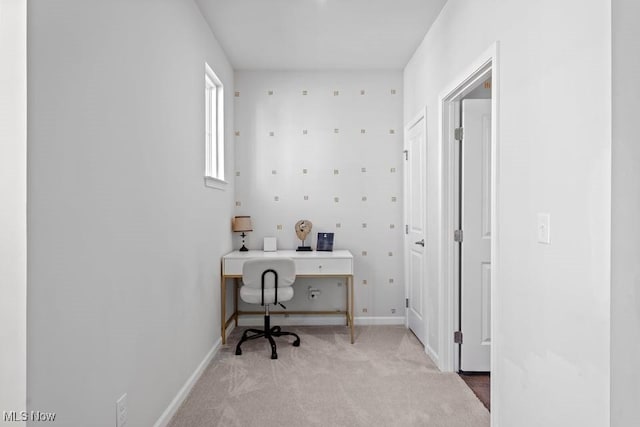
(327, 147)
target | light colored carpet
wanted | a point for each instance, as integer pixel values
(384, 379)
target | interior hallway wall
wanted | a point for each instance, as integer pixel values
(13, 206)
(552, 312)
(625, 199)
(327, 147)
(124, 239)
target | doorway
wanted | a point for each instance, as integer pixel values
(469, 234)
(473, 216)
(473, 234)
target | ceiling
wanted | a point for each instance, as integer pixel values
(319, 34)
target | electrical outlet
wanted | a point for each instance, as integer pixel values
(121, 411)
(393, 311)
(313, 293)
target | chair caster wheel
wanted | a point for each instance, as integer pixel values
(296, 343)
(238, 352)
(274, 356)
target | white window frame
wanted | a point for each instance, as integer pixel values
(214, 130)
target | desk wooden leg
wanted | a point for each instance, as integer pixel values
(347, 309)
(223, 308)
(350, 302)
(236, 283)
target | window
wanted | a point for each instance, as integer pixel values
(214, 129)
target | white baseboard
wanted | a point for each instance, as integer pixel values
(433, 355)
(230, 328)
(171, 410)
(380, 320)
(293, 320)
(321, 320)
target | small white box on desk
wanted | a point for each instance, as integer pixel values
(270, 244)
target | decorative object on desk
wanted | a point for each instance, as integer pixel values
(325, 242)
(242, 224)
(303, 228)
(270, 244)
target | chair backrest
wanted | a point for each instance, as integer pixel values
(253, 269)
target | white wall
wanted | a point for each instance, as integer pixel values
(552, 314)
(124, 238)
(345, 132)
(13, 208)
(625, 246)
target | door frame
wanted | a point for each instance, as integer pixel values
(421, 115)
(472, 75)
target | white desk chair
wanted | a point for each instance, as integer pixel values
(267, 281)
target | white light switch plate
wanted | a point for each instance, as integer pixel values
(544, 228)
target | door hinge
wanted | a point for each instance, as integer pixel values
(406, 229)
(458, 134)
(406, 154)
(457, 236)
(406, 302)
(457, 337)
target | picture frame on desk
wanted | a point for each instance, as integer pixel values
(325, 242)
(270, 244)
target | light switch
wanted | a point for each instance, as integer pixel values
(544, 228)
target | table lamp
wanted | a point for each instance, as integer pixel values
(242, 224)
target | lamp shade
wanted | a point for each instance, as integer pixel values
(241, 223)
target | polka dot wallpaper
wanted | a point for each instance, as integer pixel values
(326, 147)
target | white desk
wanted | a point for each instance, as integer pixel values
(338, 263)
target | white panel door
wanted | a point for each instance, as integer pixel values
(476, 227)
(415, 196)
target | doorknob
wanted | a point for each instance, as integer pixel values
(421, 243)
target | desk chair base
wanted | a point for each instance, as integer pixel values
(268, 333)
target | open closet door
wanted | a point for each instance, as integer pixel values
(476, 239)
